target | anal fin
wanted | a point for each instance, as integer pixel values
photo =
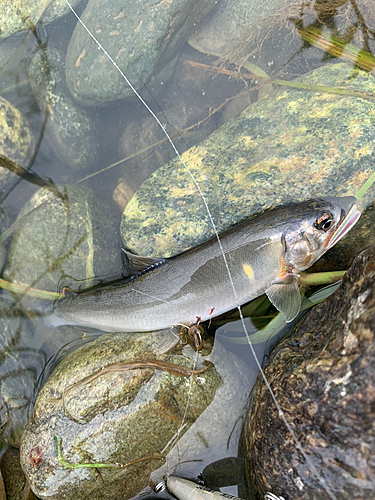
(284, 294)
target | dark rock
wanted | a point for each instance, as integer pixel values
(322, 375)
(142, 36)
(70, 129)
(22, 15)
(16, 486)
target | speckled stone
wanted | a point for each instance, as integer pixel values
(69, 235)
(290, 146)
(143, 38)
(323, 378)
(124, 415)
(70, 129)
(16, 139)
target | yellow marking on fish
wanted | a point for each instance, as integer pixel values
(248, 271)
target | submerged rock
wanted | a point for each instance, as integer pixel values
(21, 363)
(143, 38)
(229, 23)
(16, 139)
(64, 231)
(20, 15)
(293, 145)
(127, 416)
(70, 129)
(322, 375)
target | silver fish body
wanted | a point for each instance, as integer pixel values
(263, 254)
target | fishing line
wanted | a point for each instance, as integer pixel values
(280, 412)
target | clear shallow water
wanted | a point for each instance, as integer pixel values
(112, 120)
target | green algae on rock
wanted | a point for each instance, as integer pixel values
(62, 232)
(322, 375)
(292, 145)
(16, 139)
(70, 129)
(125, 416)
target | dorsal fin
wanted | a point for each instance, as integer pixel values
(138, 264)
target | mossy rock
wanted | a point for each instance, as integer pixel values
(16, 139)
(117, 417)
(62, 232)
(292, 145)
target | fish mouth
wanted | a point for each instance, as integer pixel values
(346, 223)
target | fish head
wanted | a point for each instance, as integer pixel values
(322, 223)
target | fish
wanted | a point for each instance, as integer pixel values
(261, 255)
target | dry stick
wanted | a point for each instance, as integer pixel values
(298, 85)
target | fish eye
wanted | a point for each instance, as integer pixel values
(324, 222)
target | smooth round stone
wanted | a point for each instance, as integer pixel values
(117, 417)
(62, 233)
(70, 129)
(16, 139)
(290, 146)
(230, 21)
(322, 375)
(143, 38)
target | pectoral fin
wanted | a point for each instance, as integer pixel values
(284, 294)
(138, 264)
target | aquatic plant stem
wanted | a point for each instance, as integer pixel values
(298, 85)
(325, 278)
(27, 290)
(365, 187)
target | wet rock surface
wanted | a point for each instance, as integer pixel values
(322, 375)
(65, 231)
(143, 37)
(229, 22)
(287, 147)
(70, 129)
(20, 15)
(114, 417)
(16, 139)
